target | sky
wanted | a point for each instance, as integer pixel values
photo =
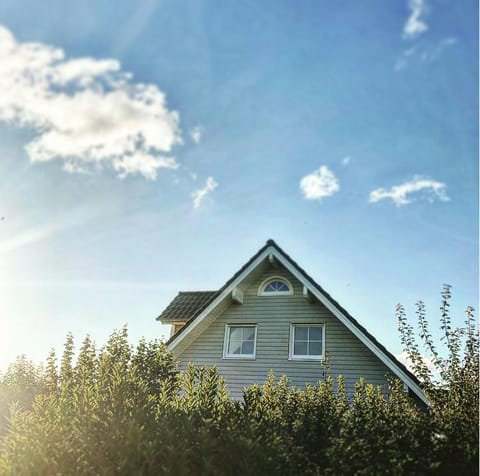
(150, 147)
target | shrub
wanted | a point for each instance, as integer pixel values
(124, 410)
(454, 394)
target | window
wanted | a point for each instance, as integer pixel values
(275, 286)
(307, 341)
(240, 342)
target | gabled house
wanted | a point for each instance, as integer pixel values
(272, 316)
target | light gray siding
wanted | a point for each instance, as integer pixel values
(273, 316)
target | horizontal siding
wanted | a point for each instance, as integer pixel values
(273, 316)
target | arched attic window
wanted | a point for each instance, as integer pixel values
(275, 286)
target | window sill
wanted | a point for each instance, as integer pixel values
(304, 358)
(275, 294)
(239, 357)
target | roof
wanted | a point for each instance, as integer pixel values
(360, 331)
(219, 292)
(185, 305)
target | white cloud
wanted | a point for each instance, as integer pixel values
(84, 70)
(201, 193)
(142, 163)
(346, 160)
(400, 194)
(319, 184)
(196, 134)
(85, 112)
(73, 168)
(415, 26)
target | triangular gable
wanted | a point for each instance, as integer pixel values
(271, 249)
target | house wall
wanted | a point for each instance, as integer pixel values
(273, 316)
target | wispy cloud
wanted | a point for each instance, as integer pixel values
(319, 184)
(432, 54)
(86, 112)
(137, 23)
(415, 25)
(404, 59)
(424, 54)
(29, 234)
(196, 134)
(200, 194)
(346, 160)
(33, 235)
(422, 188)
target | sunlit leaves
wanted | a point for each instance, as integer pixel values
(123, 409)
(454, 399)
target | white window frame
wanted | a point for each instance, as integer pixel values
(261, 289)
(226, 339)
(291, 355)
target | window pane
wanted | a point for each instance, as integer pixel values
(235, 347)
(241, 341)
(247, 347)
(249, 333)
(300, 348)
(307, 340)
(315, 348)
(276, 286)
(316, 333)
(236, 333)
(281, 286)
(301, 333)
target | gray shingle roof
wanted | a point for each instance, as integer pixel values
(185, 305)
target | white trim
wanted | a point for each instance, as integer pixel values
(291, 355)
(226, 292)
(261, 288)
(238, 356)
(325, 301)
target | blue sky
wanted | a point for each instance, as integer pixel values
(151, 147)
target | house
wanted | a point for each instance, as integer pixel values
(271, 315)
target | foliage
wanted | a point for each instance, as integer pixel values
(454, 398)
(19, 385)
(126, 410)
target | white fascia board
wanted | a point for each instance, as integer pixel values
(226, 292)
(349, 325)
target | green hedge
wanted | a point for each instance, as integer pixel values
(121, 410)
